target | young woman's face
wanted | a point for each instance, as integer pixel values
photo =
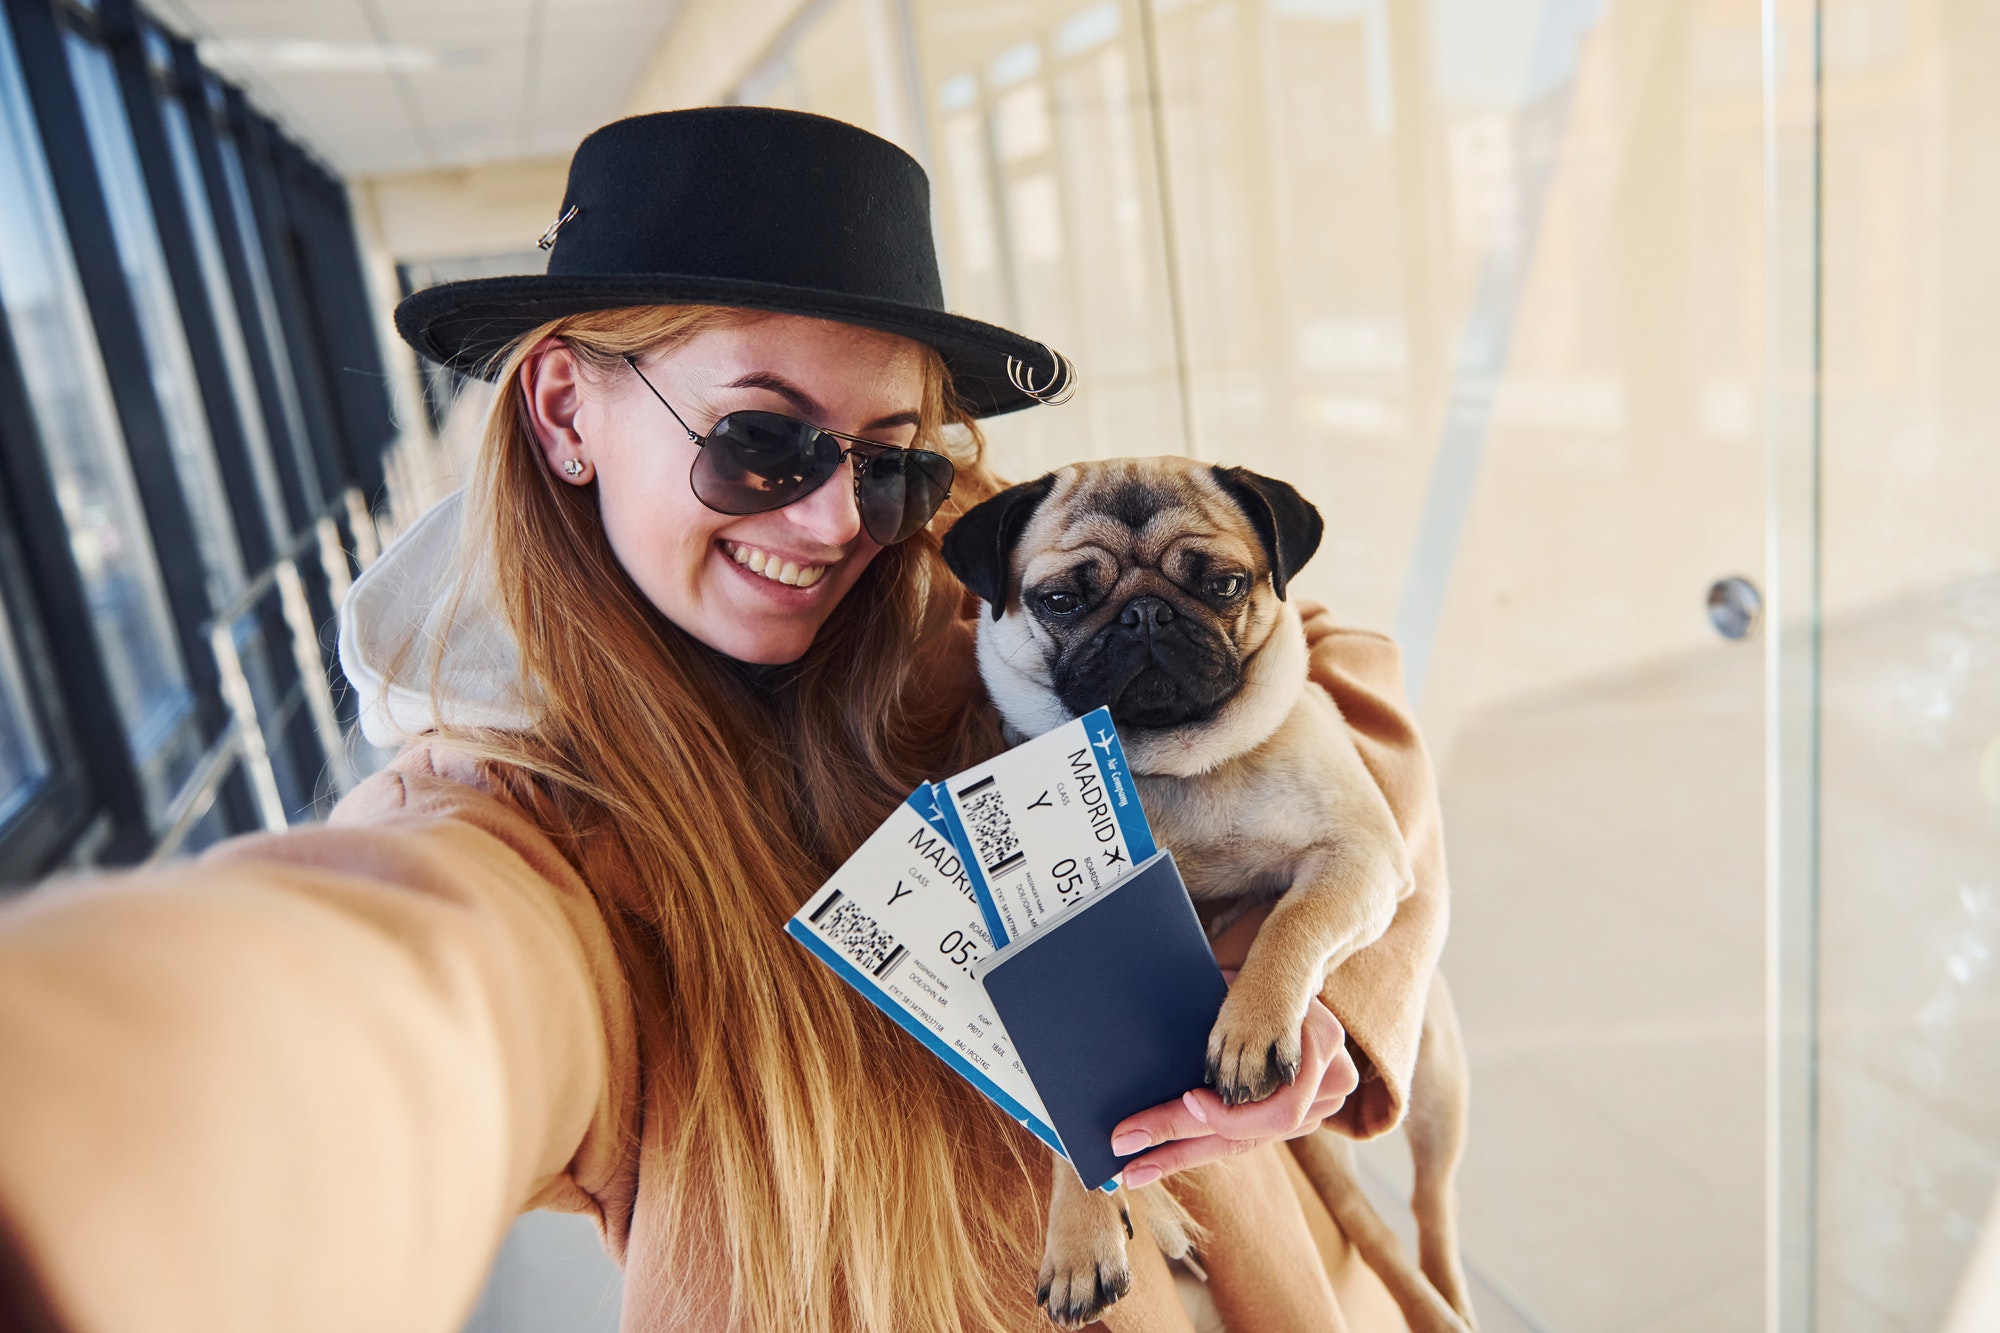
(756, 587)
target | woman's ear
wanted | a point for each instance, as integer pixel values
(550, 387)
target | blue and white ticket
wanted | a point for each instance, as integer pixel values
(900, 924)
(1047, 824)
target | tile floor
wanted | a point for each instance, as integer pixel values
(1607, 957)
(1607, 954)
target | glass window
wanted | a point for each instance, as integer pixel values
(254, 259)
(1908, 1071)
(159, 316)
(844, 64)
(80, 435)
(221, 298)
(1463, 274)
(1048, 212)
(1043, 183)
(23, 762)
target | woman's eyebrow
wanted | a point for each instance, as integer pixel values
(807, 406)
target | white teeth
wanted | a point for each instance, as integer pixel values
(776, 568)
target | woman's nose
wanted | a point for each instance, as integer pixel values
(830, 514)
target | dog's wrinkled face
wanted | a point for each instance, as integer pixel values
(1143, 584)
(1149, 594)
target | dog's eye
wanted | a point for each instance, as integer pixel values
(1225, 587)
(1061, 603)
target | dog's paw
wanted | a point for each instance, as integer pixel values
(1170, 1225)
(1084, 1269)
(1251, 1054)
(1075, 1295)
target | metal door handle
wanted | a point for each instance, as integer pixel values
(1734, 606)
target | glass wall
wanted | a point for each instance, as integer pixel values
(1909, 1086)
(1044, 190)
(1584, 324)
(1461, 293)
(167, 355)
(263, 301)
(221, 299)
(23, 761)
(1047, 208)
(85, 454)
(147, 214)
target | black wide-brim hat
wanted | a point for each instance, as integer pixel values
(741, 206)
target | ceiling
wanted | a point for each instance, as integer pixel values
(385, 86)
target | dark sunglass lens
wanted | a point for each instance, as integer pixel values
(899, 492)
(757, 461)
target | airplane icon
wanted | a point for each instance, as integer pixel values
(1105, 740)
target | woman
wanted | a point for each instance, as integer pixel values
(667, 664)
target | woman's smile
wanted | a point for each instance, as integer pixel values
(774, 567)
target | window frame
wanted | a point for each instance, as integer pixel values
(200, 94)
(73, 702)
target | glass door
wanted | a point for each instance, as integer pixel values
(1487, 278)
(1908, 1077)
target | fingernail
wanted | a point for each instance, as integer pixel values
(1141, 1176)
(1131, 1141)
(1194, 1107)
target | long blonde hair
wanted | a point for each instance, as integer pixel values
(846, 1177)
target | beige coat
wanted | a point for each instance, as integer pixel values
(307, 1081)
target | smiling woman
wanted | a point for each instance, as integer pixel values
(685, 642)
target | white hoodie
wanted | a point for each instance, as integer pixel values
(421, 593)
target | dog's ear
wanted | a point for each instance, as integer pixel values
(980, 546)
(1286, 521)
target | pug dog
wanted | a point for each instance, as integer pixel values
(1156, 587)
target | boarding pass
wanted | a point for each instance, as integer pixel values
(1047, 824)
(900, 924)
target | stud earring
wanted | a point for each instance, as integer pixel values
(573, 467)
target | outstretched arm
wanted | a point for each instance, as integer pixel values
(306, 1082)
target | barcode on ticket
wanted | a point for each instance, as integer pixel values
(857, 935)
(991, 827)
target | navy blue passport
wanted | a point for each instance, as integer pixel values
(1109, 1007)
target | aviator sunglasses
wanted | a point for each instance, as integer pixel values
(754, 462)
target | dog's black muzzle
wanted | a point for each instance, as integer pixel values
(1152, 665)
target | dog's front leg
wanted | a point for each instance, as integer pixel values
(1084, 1267)
(1342, 898)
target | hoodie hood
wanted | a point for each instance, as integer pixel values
(423, 593)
